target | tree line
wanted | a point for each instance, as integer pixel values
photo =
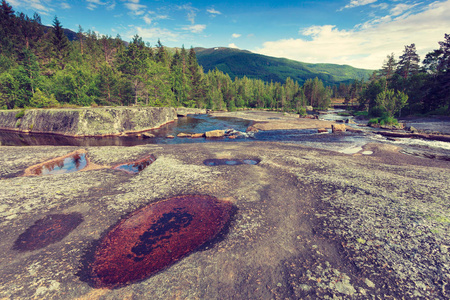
(403, 87)
(40, 67)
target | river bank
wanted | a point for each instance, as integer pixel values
(309, 223)
(87, 121)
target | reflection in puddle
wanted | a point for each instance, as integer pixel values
(136, 166)
(250, 162)
(230, 162)
(154, 237)
(67, 164)
(46, 231)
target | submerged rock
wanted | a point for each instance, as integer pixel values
(215, 133)
(338, 128)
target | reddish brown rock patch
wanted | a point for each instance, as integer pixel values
(46, 231)
(154, 237)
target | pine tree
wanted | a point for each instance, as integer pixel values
(133, 63)
(60, 43)
(409, 62)
(389, 67)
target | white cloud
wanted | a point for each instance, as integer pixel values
(401, 8)
(65, 5)
(38, 5)
(356, 3)
(367, 45)
(233, 45)
(153, 33)
(380, 6)
(96, 2)
(147, 19)
(136, 8)
(198, 28)
(93, 4)
(191, 12)
(236, 35)
(213, 11)
(111, 6)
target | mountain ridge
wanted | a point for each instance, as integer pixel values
(240, 63)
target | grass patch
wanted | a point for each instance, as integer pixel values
(385, 121)
(361, 113)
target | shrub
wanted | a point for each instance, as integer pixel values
(361, 113)
(374, 121)
(389, 121)
(20, 114)
(377, 112)
(40, 99)
(302, 111)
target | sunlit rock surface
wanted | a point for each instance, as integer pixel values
(88, 121)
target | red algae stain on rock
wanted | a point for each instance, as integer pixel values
(46, 231)
(154, 237)
(136, 166)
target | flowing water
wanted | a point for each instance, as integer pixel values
(348, 142)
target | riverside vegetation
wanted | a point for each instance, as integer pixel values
(41, 67)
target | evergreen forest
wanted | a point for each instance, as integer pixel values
(40, 67)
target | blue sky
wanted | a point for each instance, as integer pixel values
(360, 33)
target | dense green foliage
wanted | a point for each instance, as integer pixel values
(405, 87)
(240, 63)
(41, 67)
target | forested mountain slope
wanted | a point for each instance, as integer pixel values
(240, 63)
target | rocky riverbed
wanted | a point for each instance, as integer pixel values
(309, 223)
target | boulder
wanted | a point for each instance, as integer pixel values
(215, 133)
(314, 117)
(147, 135)
(87, 121)
(197, 135)
(184, 135)
(353, 130)
(338, 128)
(170, 137)
(252, 129)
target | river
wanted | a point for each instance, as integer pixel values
(348, 143)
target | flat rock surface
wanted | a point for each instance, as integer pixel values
(266, 120)
(309, 224)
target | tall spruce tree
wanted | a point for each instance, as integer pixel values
(60, 43)
(409, 62)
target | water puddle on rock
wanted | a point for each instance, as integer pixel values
(153, 238)
(136, 166)
(230, 162)
(70, 163)
(46, 231)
